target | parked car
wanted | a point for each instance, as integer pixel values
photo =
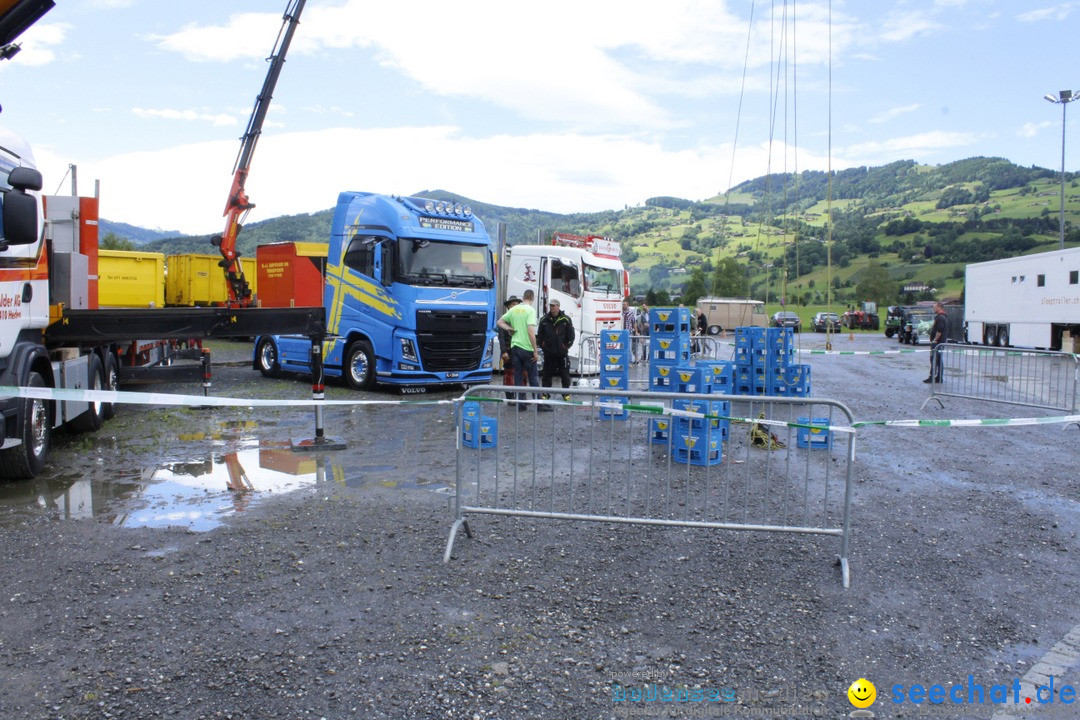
(825, 321)
(786, 318)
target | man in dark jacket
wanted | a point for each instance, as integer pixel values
(555, 333)
(937, 336)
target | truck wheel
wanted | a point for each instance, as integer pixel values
(359, 370)
(112, 381)
(889, 332)
(715, 330)
(267, 357)
(35, 430)
(94, 417)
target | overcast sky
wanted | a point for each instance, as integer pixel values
(565, 106)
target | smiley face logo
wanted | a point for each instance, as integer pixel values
(862, 693)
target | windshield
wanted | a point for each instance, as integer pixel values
(603, 280)
(430, 262)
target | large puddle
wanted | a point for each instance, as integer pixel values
(199, 493)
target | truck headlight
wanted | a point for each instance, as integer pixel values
(408, 350)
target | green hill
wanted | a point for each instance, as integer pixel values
(896, 224)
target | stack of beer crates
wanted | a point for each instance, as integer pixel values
(669, 348)
(699, 441)
(764, 364)
(614, 370)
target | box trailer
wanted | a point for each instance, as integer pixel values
(1027, 301)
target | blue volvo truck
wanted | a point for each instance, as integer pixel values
(409, 296)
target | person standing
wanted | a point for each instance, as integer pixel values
(629, 319)
(556, 336)
(504, 348)
(520, 321)
(937, 336)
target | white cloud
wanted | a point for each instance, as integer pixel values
(893, 113)
(217, 120)
(599, 72)
(1058, 12)
(909, 146)
(559, 173)
(1030, 129)
(902, 27)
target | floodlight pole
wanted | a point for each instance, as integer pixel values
(1064, 98)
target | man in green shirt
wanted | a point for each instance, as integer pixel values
(524, 353)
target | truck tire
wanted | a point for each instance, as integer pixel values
(35, 430)
(112, 380)
(889, 332)
(359, 367)
(266, 355)
(94, 417)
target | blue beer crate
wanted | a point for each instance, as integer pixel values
(611, 340)
(718, 408)
(661, 377)
(747, 337)
(481, 432)
(669, 348)
(614, 361)
(815, 438)
(781, 338)
(669, 320)
(718, 373)
(470, 410)
(696, 449)
(615, 380)
(691, 379)
(800, 389)
(660, 430)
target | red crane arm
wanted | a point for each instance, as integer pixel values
(238, 204)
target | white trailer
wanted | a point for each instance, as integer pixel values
(1027, 301)
(589, 282)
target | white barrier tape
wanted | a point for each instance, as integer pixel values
(810, 351)
(138, 398)
(974, 422)
(864, 352)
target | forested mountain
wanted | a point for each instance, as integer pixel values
(898, 222)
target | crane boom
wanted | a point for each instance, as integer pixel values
(238, 204)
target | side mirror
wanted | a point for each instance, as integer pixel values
(24, 178)
(20, 208)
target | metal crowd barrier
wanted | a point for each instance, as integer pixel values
(766, 471)
(1034, 378)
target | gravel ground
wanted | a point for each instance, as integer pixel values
(332, 601)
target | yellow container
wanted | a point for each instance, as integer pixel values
(131, 279)
(198, 280)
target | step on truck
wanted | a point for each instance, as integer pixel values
(409, 296)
